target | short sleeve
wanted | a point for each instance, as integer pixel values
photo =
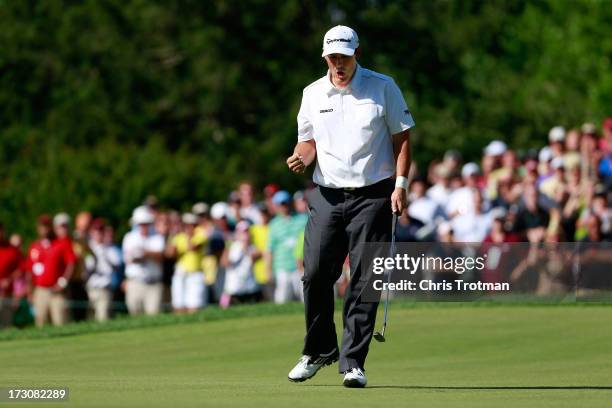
(397, 116)
(305, 128)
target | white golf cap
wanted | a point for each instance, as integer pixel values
(556, 134)
(142, 215)
(545, 154)
(469, 169)
(189, 219)
(61, 219)
(340, 40)
(219, 210)
(200, 208)
(495, 148)
(589, 128)
(557, 163)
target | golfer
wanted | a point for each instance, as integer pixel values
(355, 123)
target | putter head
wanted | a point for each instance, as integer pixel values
(379, 337)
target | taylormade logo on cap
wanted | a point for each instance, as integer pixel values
(340, 40)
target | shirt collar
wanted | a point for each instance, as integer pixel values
(354, 85)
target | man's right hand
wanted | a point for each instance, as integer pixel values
(303, 155)
(296, 163)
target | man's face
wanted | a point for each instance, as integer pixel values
(300, 205)
(144, 229)
(246, 193)
(341, 67)
(189, 228)
(62, 230)
(97, 234)
(282, 208)
(43, 230)
(418, 188)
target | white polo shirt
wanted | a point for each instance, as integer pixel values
(352, 128)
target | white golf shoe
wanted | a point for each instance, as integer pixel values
(355, 378)
(308, 366)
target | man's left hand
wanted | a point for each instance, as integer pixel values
(399, 200)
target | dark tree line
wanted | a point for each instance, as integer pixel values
(104, 102)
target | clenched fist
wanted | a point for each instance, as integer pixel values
(296, 163)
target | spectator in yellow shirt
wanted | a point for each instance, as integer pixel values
(188, 287)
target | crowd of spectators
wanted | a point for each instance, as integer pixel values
(559, 193)
(232, 252)
(243, 251)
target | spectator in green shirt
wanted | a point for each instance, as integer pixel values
(280, 255)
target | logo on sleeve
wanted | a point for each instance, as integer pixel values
(326, 110)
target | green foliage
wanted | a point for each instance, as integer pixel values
(104, 102)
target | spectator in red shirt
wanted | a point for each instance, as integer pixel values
(51, 262)
(10, 260)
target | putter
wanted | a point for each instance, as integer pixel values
(380, 336)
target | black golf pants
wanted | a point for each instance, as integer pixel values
(340, 222)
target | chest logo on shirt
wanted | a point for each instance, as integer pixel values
(326, 110)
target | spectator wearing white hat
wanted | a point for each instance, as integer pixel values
(461, 200)
(506, 167)
(545, 170)
(491, 159)
(495, 148)
(188, 286)
(553, 186)
(472, 226)
(220, 233)
(556, 140)
(143, 252)
(440, 190)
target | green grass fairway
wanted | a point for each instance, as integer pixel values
(435, 356)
